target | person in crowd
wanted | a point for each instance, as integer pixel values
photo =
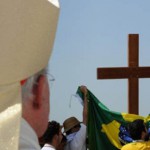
(75, 130)
(53, 136)
(138, 132)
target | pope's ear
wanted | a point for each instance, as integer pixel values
(38, 92)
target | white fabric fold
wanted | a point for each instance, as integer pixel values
(10, 113)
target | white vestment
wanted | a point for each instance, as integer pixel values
(28, 138)
(48, 147)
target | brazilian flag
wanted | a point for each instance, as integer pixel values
(103, 124)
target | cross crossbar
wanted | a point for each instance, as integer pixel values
(123, 72)
(133, 72)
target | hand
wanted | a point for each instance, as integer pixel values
(83, 89)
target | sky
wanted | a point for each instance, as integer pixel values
(92, 34)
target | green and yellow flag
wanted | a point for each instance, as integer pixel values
(103, 124)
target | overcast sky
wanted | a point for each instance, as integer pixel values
(92, 34)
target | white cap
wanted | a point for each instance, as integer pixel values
(27, 32)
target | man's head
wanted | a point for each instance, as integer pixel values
(71, 125)
(137, 129)
(35, 106)
(53, 134)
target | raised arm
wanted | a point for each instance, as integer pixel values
(85, 104)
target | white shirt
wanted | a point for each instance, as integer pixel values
(28, 138)
(77, 141)
(48, 147)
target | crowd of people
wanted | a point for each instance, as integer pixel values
(36, 132)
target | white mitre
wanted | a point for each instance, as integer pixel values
(27, 32)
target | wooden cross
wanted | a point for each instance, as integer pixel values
(133, 72)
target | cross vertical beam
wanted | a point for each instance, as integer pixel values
(133, 83)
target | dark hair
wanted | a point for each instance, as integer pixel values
(136, 128)
(64, 139)
(52, 130)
